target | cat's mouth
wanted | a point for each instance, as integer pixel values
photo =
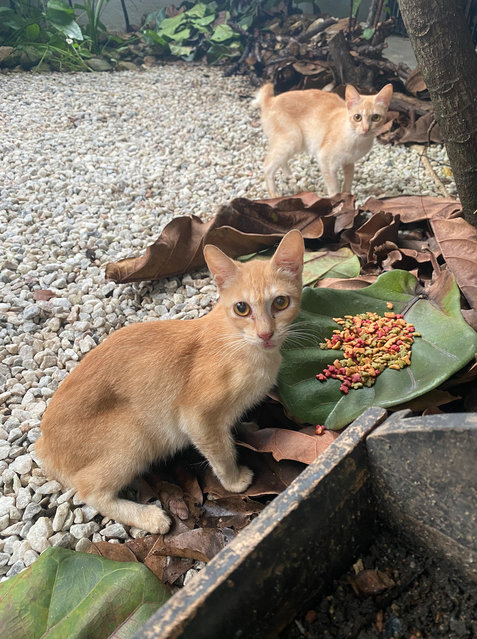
(268, 344)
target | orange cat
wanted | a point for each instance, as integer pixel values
(334, 131)
(153, 388)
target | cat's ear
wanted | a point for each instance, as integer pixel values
(352, 97)
(222, 267)
(289, 254)
(385, 95)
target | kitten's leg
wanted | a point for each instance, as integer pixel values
(104, 499)
(348, 174)
(277, 158)
(330, 177)
(221, 453)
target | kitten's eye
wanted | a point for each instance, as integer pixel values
(242, 309)
(357, 117)
(281, 302)
(375, 117)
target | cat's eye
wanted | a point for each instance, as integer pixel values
(358, 117)
(242, 309)
(375, 117)
(281, 302)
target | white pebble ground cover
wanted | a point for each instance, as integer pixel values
(92, 168)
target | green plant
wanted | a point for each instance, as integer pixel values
(42, 31)
(94, 28)
(193, 33)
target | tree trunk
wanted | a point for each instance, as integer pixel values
(446, 57)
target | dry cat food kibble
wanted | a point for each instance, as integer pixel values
(371, 343)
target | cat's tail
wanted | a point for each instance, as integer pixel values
(263, 96)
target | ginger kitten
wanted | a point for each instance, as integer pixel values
(153, 388)
(336, 132)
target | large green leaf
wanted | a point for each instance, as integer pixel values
(324, 263)
(447, 344)
(72, 594)
(61, 16)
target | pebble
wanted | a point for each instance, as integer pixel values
(77, 194)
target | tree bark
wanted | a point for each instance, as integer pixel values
(446, 56)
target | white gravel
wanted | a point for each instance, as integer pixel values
(92, 167)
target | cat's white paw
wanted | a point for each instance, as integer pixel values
(154, 520)
(243, 481)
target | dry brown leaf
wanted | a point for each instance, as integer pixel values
(116, 552)
(288, 444)
(413, 208)
(240, 228)
(380, 228)
(458, 242)
(230, 512)
(200, 544)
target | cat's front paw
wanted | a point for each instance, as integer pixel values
(242, 481)
(154, 520)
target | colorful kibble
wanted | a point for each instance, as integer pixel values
(370, 343)
(319, 429)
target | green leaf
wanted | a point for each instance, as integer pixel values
(169, 26)
(324, 263)
(446, 345)
(222, 32)
(183, 34)
(197, 11)
(368, 33)
(355, 7)
(72, 594)
(182, 51)
(61, 16)
(32, 32)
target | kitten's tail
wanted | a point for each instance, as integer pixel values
(263, 96)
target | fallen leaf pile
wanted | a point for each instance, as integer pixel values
(407, 250)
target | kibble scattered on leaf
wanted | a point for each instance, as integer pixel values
(371, 343)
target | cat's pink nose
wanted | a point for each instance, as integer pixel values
(265, 336)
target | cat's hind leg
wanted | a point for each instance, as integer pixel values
(330, 177)
(280, 152)
(348, 174)
(104, 499)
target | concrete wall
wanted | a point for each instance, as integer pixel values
(113, 15)
(113, 18)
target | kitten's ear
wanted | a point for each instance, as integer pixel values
(289, 254)
(352, 97)
(222, 267)
(385, 95)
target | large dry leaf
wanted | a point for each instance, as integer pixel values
(200, 544)
(379, 229)
(243, 227)
(269, 476)
(413, 208)
(458, 242)
(230, 512)
(422, 131)
(116, 552)
(288, 444)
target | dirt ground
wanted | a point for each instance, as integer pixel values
(426, 602)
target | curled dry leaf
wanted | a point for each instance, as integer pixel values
(413, 208)
(380, 228)
(240, 228)
(200, 544)
(458, 242)
(289, 444)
